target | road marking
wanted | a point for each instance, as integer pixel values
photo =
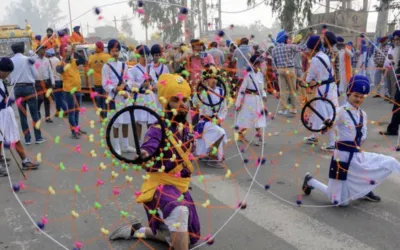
(13, 220)
(26, 244)
(294, 227)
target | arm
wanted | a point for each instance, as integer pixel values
(53, 82)
(105, 76)
(152, 140)
(241, 93)
(364, 129)
(312, 72)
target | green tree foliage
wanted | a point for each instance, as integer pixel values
(293, 14)
(40, 14)
(164, 18)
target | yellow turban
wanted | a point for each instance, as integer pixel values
(170, 85)
(297, 38)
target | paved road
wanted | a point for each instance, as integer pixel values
(271, 220)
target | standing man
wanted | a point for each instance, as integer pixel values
(77, 37)
(217, 54)
(380, 55)
(23, 78)
(96, 62)
(283, 55)
(50, 40)
(44, 81)
(68, 68)
(58, 95)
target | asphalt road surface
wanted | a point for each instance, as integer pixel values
(271, 220)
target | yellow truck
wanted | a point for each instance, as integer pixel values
(10, 34)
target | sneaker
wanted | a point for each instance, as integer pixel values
(3, 172)
(329, 148)
(258, 142)
(372, 197)
(40, 141)
(29, 165)
(311, 140)
(282, 112)
(306, 188)
(293, 111)
(126, 231)
(49, 120)
(129, 149)
(75, 136)
(376, 96)
(215, 163)
(82, 132)
(6, 159)
(28, 142)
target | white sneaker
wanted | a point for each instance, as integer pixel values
(328, 148)
(126, 231)
(283, 112)
(129, 149)
(311, 140)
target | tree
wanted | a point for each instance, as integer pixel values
(164, 18)
(293, 14)
(40, 14)
(126, 26)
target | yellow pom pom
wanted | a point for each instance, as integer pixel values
(39, 157)
(162, 100)
(51, 190)
(206, 204)
(74, 214)
(48, 92)
(37, 125)
(104, 231)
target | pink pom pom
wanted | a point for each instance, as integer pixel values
(178, 174)
(78, 244)
(85, 168)
(182, 17)
(116, 191)
(77, 129)
(191, 157)
(37, 64)
(100, 183)
(192, 113)
(45, 220)
(93, 94)
(146, 76)
(163, 82)
(180, 96)
(138, 193)
(19, 101)
(100, 18)
(140, 11)
(82, 110)
(78, 148)
(109, 82)
(160, 188)
(21, 185)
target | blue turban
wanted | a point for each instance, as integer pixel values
(155, 49)
(358, 84)
(330, 37)
(143, 50)
(6, 65)
(363, 42)
(38, 37)
(396, 33)
(350, 43)
(314, 42)
(256, 59)
(50, 52)
(76, 28)
(340, 39)
(228, 43)
(113, 43)
(281, 37)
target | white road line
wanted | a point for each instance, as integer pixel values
(294, 227)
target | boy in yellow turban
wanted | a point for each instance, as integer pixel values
(171, 212)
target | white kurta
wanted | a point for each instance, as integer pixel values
(361, 64)
(212, 132)
(364, 167)
(109, 82)
(138, 77)
(155, 73)
(251, 114)
(8, 123)
(318, 72)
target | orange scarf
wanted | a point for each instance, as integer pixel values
(347, 65)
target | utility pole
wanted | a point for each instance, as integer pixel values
(219, 15)
(115, 23)
(70, 17)
(87, 29)
(205, 19)
(199, 17)
(382, 23)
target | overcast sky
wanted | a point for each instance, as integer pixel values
(262, 13)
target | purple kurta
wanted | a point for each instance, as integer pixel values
(166, 200)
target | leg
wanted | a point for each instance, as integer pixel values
(125, 141)
(77, 104)
(291, 81)
(319, 186)
(282, 89)
(22, 110)
(39, 105)
(47, 107)
(71, 112)
(116, 138)
(139, 130)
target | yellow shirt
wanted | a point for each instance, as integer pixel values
(71, 77)
(96, 62)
